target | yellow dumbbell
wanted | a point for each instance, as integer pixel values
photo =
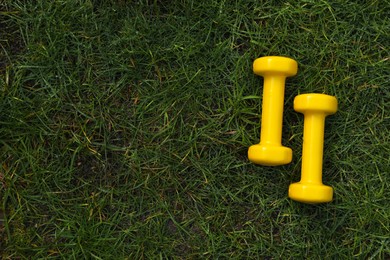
(315, 108)
(270, 151)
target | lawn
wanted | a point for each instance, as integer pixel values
(125, 125)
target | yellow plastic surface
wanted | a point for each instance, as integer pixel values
(315, 108)
(269, 151)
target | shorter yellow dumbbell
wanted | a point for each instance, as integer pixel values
(275, 70)
(315, 108)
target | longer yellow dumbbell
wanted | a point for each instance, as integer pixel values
(270, 151)
(315, 108)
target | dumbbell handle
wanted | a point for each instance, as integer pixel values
(272, 110)
(313, 145)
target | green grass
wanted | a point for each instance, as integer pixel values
(125, 127)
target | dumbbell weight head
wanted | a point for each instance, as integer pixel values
(321, 103)
(310, 193)
(269, 155)
(275, 65)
